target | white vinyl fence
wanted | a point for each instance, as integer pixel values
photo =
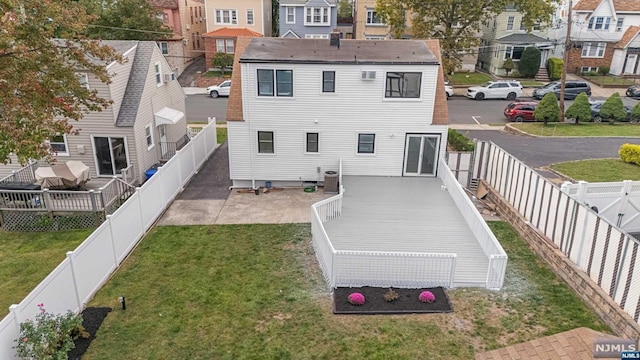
(596, 245)
(618, 202)
(85, 270)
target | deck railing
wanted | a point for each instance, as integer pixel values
(128, 174)
(342, 268)
(485, 237)
(168, 149)
(26, 175)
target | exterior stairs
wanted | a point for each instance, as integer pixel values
(542, 75)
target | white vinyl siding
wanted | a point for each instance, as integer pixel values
(338, 124)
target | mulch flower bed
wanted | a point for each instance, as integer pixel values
(407, 301)
(92, 318)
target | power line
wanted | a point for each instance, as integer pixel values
(127, 29)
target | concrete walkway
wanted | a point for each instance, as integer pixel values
(207, 200)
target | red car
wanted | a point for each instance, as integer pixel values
(520, 111)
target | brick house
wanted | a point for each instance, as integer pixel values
(605, 34)
(223, 40)
(187, 20)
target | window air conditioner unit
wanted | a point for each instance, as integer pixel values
(368, 75)
(185, 41)
(169, 77)
(188, 27)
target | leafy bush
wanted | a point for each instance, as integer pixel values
(515, 74)
(356, 299)
(49, 336)
(613, 109)
(459, 142)
(603, 70)
(426, 297)
(508, 65)
(530, 62)
(554, 68)
(222, 61)
(580, 110)
(635, 113)
(391, 295)
(548, 109)
(630, 153)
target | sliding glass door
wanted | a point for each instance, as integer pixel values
(110, 154)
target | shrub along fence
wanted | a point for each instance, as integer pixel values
(74, 282)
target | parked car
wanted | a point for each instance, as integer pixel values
(633, 91)
(448, 89)
(597, 106)
(504, 89)
(571, 89)
(219, 90)
(520, 111)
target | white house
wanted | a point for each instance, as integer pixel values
(301, 105)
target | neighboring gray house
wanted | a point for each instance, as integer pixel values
(144, 124)
(310, 19)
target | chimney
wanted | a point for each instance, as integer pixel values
(334, 39)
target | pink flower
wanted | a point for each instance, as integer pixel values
(356, 299)
(41, 305)
(427, 297)
(25, 340)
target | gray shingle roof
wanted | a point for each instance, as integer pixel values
(522, 39)
(135, 85)
(318, 51)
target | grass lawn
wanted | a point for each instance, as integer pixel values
(583, 129)
(27, 258)
(609, 80)
(221, 134)
(468, 78)
(255, 291)
(602, 170)
(210, 74)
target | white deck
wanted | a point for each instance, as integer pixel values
(407, 214)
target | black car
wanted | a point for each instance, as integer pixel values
(633, 91)
(571, 89)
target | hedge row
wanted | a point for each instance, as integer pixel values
(554, 68)
(459, 142)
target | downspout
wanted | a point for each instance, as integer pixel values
(251, 137)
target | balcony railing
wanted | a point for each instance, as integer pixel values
(169, 149)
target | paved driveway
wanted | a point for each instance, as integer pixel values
(537, 152)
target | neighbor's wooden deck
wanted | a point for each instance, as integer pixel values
(407, 214)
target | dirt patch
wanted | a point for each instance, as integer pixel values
(406, 301)
(92, 318)
(203, 82)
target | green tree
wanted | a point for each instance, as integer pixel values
(508, 65)
(548, 109)
(222, 61)
(613, 109)
(126, 20)
(39, 89)
(580, 110)
(530, 62)
(635, 113)
(457, 23)
(345, 9)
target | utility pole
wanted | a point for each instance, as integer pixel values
(565, 61)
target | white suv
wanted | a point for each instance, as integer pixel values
(504, 89)
(219, 90)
